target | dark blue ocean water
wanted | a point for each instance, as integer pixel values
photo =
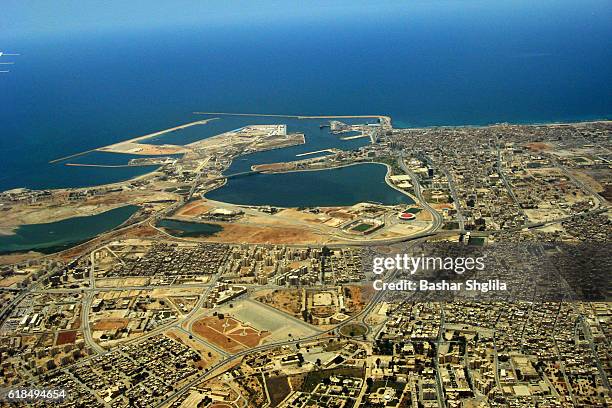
(429, 63)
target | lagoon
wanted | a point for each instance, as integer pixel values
(189, 229)
(342, 186)
(59, 235)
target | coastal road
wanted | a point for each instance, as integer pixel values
(437, 218)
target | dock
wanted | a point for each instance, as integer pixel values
(317, 152)
(354, 137)
(134, 140)
(385, 120)
(109, 166)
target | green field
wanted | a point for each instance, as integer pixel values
(477, 241)
(362, 227)
(413, 210)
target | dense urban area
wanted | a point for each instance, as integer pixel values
(277, 307)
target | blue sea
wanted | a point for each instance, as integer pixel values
(424, 63)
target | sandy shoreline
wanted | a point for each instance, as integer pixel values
(6, 231)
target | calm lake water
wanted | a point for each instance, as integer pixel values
(334, 187)
(189, 229)
(54, 236)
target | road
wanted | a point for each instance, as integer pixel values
(85, 324)
(437, 218)
(334, 330)
(601, 202)
(88, 293)
(453, 191)
(589, 336)
(439, 341)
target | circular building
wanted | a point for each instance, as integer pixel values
(406, 216)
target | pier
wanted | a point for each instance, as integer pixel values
(384, 119)
(134, 140)
(355, 137)
(332, 151)
(234, 175)
(110, 166)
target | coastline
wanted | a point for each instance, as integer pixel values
(387, 175)
(393, 186)
(148, 174)
(386, 179)
(110, 147)
(492, 124)
(8, 231)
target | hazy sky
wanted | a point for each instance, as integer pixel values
(32, 18)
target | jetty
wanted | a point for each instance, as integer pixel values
(332, 151)
(133, 140)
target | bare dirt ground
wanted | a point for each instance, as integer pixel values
(228, 333)
(7, 231)
(240, 233)
(110, 324)
(287, 300)
(11, 280)
(62, 209)
(138, 231)
(339, 213)
(403, 229)
(359, 296)
(20, 257)
(119, 282)
(298, 215)
(587, 180)
(424, 216)
(193, 209)
(273, 167)
(67, 337)
(538, 146)
(144, 149)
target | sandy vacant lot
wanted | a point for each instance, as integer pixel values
(110, 324)
(67, 337)
(240, 233)
(143, 148)
(193, 209)
(228, 333)
(278, 323)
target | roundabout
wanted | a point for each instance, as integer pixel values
(353, 330)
